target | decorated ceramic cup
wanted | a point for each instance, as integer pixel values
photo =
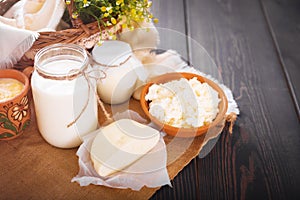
(14, 105)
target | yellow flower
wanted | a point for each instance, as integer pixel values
(124, 26)
(74, 15)
(113, 20)
(21, 109)
(100, 42)
(119, 2)
(133, 11)
(114, 37)
(103, 9)
(149, 4)
(112, 12)
(86, 3)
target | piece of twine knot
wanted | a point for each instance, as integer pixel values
(74, 73)
(88, 76)
(108, 117)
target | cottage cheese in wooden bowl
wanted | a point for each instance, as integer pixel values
(184, 104)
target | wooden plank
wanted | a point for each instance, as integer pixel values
(172, 29)
(283, 18)
(260, 160)
(171, 25)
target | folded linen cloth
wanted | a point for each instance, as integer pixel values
(14, 42)
(35, 15)
(20, 25)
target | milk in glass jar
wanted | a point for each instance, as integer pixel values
(121, 68)
(64, 97)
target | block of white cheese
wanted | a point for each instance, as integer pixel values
(120, 144)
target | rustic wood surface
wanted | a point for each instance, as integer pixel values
(255, 44)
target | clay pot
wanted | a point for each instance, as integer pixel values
(186, 132)
(15, 112)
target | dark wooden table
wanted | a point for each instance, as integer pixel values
(255, 44)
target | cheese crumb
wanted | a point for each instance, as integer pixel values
(183, 103)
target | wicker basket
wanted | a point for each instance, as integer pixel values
(85, 35)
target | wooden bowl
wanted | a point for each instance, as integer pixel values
(184, 132)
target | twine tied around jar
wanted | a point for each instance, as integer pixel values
(75, 73)
(94, 62)
(88, 77)
(117, 65)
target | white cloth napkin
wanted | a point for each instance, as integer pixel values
(14, 42)
(20, 25)
(35, 15)
(150, 170)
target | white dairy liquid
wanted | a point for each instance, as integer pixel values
(59, 102)
(119, 83)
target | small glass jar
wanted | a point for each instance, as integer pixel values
(121, 68)
(64, 98)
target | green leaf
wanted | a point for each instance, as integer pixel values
(3, 120)
(6, 135)
(26, 124)
(10, 126)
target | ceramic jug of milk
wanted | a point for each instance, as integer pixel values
(64, 98)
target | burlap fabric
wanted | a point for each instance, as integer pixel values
(33, 169)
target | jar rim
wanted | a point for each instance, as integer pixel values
(55, 52)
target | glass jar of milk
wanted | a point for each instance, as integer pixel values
(123, 71)
(64, 97)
